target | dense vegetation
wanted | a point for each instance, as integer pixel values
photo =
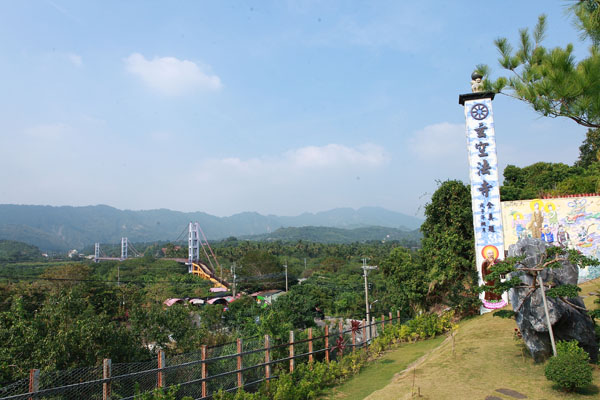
(12, 251)
(323, 234)
(556, 179)
(58, 315)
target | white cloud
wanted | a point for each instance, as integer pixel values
(171, 76)
(334, 155)
(52, 131)
(161, 136)
(439, 141)
(331, 157)
(75, 59)
(332, 175)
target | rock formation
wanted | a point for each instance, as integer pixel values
(569, 321)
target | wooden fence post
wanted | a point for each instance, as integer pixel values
(291, 351)
(310, 346)
(239, 362)
(267, 359)
(161, 365)
(373, 325)
(204, 371)
(382, 321)
(364, 336)
(353, 340)
(106, 372)
(398, 315)
(390, 314)
(327, 343)
(34, 381)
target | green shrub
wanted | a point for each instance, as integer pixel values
(428, 325)
(570, 369)
(160, 394)
(239, 395)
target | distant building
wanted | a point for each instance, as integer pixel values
(267, 296)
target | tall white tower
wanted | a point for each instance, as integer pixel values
(123, 248)
(193, 244)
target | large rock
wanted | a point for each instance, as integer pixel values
(568, 322)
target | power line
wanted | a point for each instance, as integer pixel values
(181, 234)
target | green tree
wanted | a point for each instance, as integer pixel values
(589, 150)
(587, 18)
(260, 270)
(332, 264)
(448, 252)
(407, 279)
(551, 80)
(535, 180)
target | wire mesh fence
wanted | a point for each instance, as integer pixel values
(15, 388)
(241, 364)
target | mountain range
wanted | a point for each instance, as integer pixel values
(60, 228)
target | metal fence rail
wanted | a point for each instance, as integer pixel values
(241, 364)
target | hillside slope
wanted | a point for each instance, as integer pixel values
(323, 234)
(62, 228)
(486, 358)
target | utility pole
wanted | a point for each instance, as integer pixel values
(366, 268)
(286, 277)
(234, 276)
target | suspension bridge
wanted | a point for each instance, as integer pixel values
(196, 242)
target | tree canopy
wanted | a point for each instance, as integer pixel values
(448, 254)
(551, 80)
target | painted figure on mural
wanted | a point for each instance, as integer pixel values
(519, 225)
(562, 236)
(490, 260)
(584, 239)
(547, 235)
(552, 215)
(490, 300)
(537, 219)
(577, 210)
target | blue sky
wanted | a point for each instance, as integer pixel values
(280, 107)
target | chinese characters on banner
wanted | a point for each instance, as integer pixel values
(485, 194)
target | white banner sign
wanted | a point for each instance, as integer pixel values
(485, 193)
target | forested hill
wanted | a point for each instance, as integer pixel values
(62, 228)
(323, 234)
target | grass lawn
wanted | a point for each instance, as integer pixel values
(486, 359)
(380, 372)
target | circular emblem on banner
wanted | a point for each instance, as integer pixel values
(479, 111)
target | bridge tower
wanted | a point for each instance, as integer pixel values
(123, 248)
(193, 244)
(96, 252)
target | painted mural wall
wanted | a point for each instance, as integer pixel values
(573, 222)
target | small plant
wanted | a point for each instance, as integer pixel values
(160, 394)
(518, 338)
(517, 335)
(570, 368)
